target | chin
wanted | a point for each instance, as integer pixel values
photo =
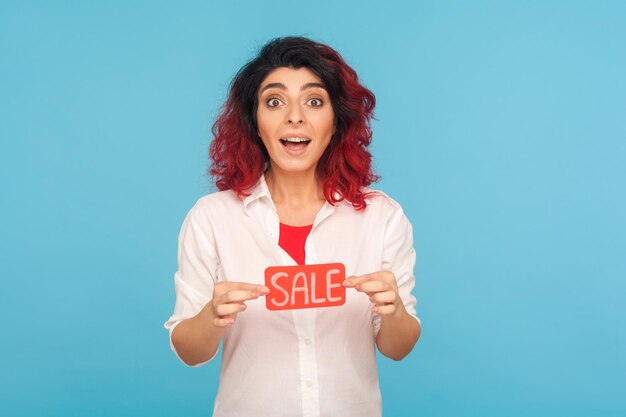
(294, 168)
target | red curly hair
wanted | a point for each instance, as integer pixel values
(345, 168)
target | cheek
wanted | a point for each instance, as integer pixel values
(329, 123)
(324, 121)
(266, 121)
(261, 122)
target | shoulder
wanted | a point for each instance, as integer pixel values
(386, 210)
(390, 214)
(218, 199)
(216, 204)
(379, 200)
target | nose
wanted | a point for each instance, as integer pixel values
(295, 115)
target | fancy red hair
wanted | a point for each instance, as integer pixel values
(238, 156)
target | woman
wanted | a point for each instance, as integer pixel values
(290, 158)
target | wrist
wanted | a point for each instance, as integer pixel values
(396, 317)
(207, 315)
(399, 312)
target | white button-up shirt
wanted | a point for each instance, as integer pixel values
(306, 363)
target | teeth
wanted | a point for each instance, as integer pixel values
(295, 140)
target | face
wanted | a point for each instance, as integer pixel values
(295, 119)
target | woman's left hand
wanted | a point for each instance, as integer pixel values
(381, 288)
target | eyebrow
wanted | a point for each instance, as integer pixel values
(283, 87)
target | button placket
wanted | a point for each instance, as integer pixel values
(304, 321)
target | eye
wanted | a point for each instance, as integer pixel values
(316, 102)
(273, 102)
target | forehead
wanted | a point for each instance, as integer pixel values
(290, 79)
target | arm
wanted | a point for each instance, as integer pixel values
(398, 334)
(395, 321)
(197, 339)
(204, 307)
(399, 331)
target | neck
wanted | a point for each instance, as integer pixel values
(293, 189)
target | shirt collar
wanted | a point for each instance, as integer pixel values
(261, 190)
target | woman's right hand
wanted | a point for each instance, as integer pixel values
(229, 299)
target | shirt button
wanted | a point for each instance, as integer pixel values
(309, 384)
(307, 341)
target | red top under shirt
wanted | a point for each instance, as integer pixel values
(292, 239)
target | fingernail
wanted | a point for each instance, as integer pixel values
(346, 283)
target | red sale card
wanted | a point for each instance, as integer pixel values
(305, 286)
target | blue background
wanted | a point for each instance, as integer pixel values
(501, 129)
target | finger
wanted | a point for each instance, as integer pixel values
(223, 322)
(243, 286)
(238, 296)
(381, 298)
(385, 276)
(385, 310)
(354, 280)
(229, 308)
(372, 287)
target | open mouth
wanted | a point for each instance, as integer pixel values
(295, 144)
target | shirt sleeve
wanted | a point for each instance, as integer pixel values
(197, 270)
(399, 258)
